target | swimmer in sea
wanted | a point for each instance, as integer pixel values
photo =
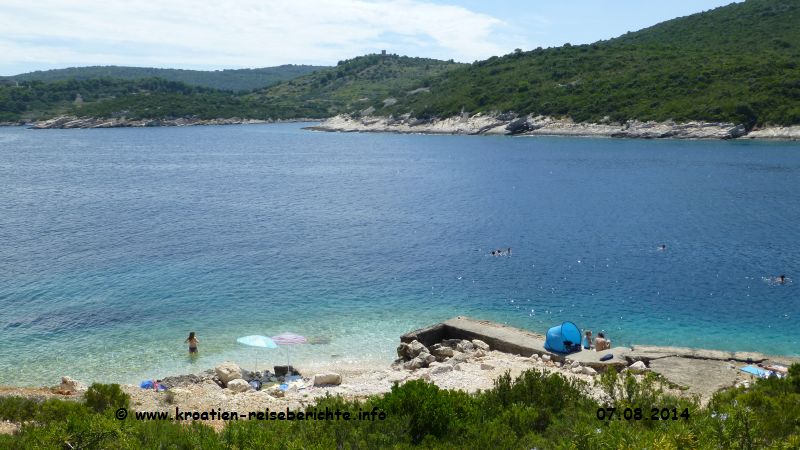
(662, 247)
(192, 341)
(781, 279)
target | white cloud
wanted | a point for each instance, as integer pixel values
(244, 33)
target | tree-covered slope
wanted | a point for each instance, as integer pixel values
(355, 84)
(152, 98)
(232, 80)
(350, 86)
(738, 63)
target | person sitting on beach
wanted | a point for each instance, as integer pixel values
(192, 340)
(601, 343)
(587, 340)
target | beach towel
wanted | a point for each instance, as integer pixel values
(757, 371)
(148, 384)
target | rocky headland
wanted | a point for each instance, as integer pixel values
(66, 122)
(512, 125)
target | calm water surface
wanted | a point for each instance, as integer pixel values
(114, 244)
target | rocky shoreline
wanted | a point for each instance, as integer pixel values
(511, 125)
(478, 124)
(71, 122)
(458, 354)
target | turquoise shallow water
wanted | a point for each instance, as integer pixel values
(114, 244)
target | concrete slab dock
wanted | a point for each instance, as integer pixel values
(700, 371)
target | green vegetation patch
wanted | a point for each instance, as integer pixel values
(534, 410)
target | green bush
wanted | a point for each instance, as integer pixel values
(100, 397)
(17, 409)
(535, 410)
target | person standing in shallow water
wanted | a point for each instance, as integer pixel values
(192, 340)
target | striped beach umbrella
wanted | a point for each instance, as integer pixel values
(288, 339)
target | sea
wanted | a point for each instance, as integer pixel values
(116, 243)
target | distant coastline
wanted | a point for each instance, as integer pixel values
(70, 122)
(479, 124)
(504, 124)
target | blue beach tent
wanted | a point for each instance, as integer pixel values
(564, 338)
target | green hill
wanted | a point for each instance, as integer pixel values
(355, 84)
(231, 80)
(736, 63)
(350, 86)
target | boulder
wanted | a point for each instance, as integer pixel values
(417, 348)
(588, 371)
(442, 352)
(238, 385)
(576, 370)
(277, 392)
(545, 358)
(71, 386)
(486, 366)
(459, 357)
(414, 364)
(321, 379)
(227, 371)
(638, 366)
(465, 346)
(427, 357)
(480, 344)
(480, 353)
(404, 351)
(518, 126)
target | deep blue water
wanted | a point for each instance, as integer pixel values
(115, 243)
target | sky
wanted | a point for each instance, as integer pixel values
(232, 34)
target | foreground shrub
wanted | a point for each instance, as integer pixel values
(535, 410)
(101, 397)
(17, 409)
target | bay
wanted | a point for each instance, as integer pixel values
(115, 243)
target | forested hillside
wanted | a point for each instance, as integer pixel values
(355, 84)
(738, 63)
(230, 80)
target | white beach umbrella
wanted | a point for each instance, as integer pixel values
(257, 341)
